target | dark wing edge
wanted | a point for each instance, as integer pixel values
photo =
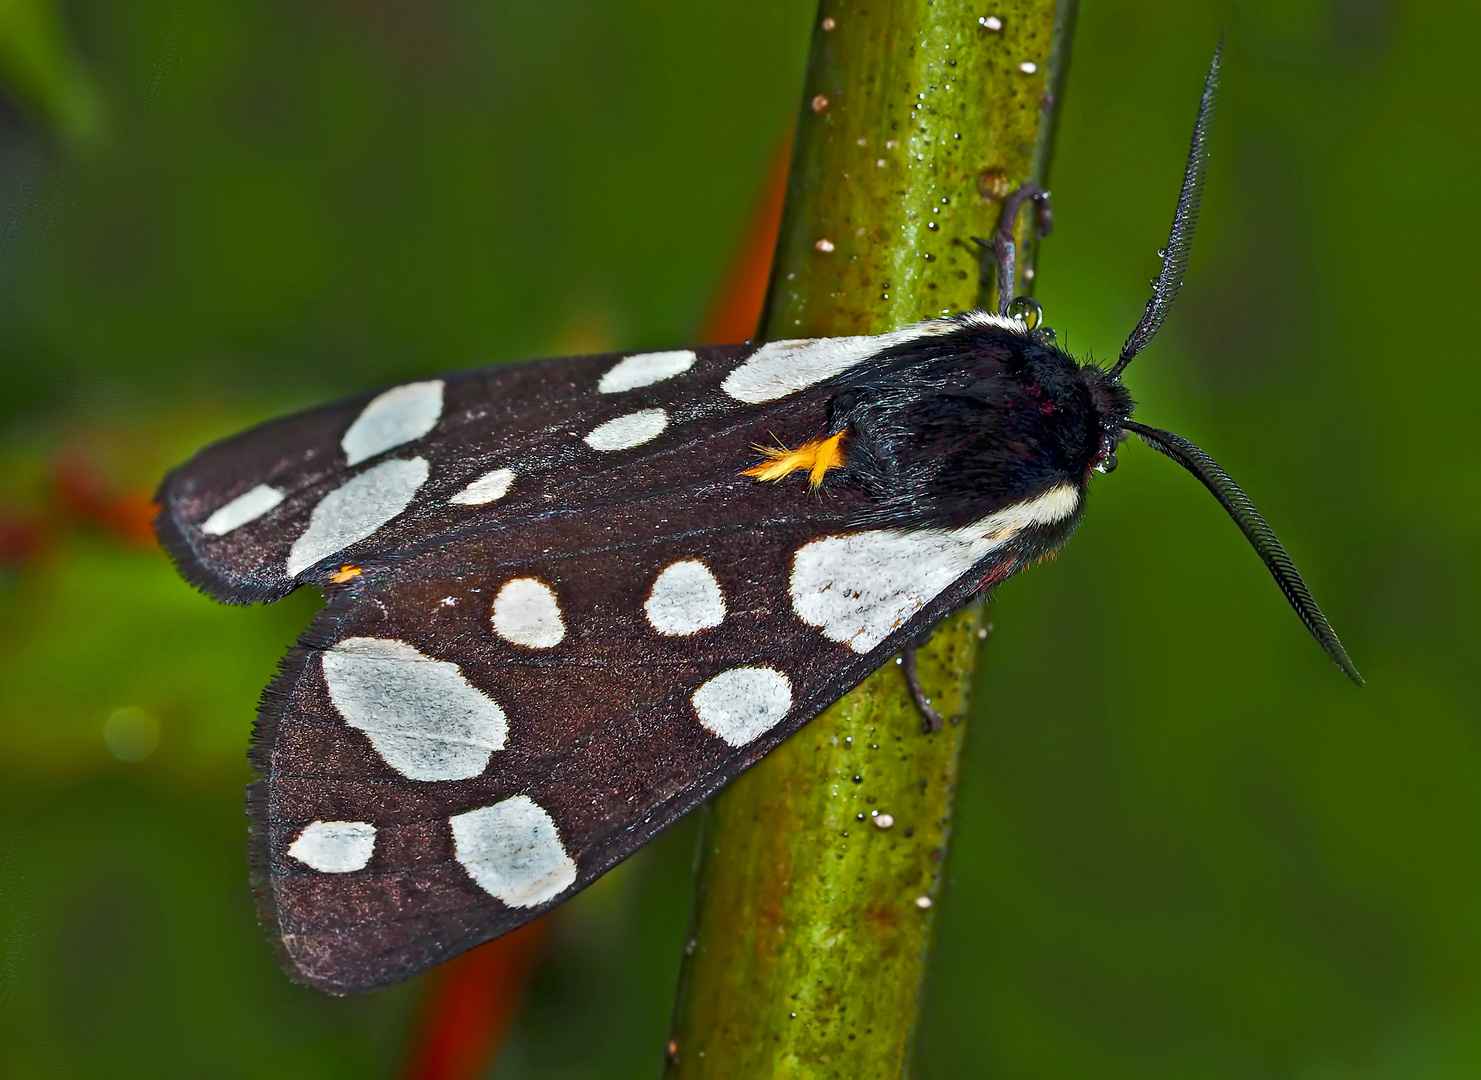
(217, 466)
(270, 708)
(174, 537)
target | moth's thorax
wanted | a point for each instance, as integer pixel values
(949, 428)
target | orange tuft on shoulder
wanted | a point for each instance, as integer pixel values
(815, 457)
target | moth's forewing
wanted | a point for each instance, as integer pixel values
(531, 418)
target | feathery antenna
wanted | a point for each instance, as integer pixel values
(1184, 223)
(1257, 531)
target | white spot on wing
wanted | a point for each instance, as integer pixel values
(645, 369)
(859, 587)
(334, 847)
(486, 489)
(356, 509)
(685, 599)
(513, 851)
(740, 704)
(628, 431)
(398, 416)
(526, 612)
(780, 368)
(421, 715)
(242, 509)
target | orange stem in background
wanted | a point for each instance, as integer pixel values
(76, 495)
(469, 1005)
(84, 496)
(736, 312)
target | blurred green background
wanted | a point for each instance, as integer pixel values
(1187, 847)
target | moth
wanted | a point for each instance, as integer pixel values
(569, 601)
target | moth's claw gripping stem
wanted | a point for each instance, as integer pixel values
(932, 720)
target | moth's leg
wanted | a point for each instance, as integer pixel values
(1002, 245)
(930, 717)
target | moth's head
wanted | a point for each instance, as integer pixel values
(1113, 406)
(1110, 403)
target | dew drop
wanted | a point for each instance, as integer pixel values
(1027, 311)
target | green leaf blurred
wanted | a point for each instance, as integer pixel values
(39, 69)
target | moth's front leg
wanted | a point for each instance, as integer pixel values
(931, 719)
(1004, 249)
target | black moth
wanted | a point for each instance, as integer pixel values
(569, 601)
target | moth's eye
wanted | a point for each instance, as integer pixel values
(1106, 464)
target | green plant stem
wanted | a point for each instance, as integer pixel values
(813, 923)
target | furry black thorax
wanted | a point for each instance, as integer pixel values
(945, 429)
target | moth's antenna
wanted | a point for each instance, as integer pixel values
(1255, 529)
(1184, 222)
